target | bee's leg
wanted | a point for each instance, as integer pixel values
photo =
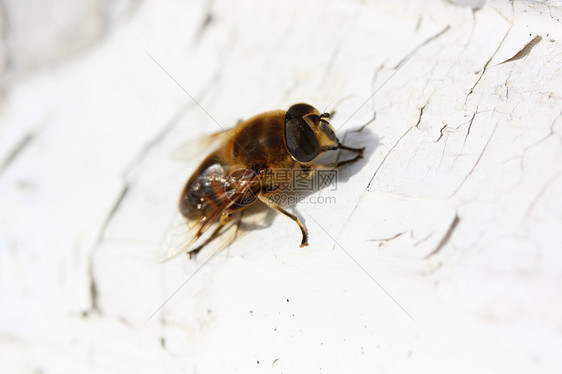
(224, 220)
(356, 150)
(238, 224)
(334, 165)
(226, 217)
(346, 162)
(272, 205)
(213, 236)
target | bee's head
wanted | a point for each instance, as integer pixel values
(308, 133)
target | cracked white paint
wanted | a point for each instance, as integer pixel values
(455, 209)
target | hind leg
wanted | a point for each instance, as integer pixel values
(224, 220)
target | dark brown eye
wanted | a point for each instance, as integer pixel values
(302, 143)
(298, 111)
(327, 130)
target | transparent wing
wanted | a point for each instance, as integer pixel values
(200, 146)
(179, 237)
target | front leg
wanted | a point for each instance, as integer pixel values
(335, 165)
(356, 150)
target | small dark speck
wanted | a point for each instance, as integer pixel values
(275, 329)
(293, 315)
(251, 312)
(209, 311)
(258, 362)
(287, 300)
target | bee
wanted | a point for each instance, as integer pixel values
(245, 168)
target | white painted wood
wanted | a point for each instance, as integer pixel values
(440, 253)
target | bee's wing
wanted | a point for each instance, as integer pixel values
(179, 237)
(194, 148)
(183, 234)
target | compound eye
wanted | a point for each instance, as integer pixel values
(299, 111)
(302, 143)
